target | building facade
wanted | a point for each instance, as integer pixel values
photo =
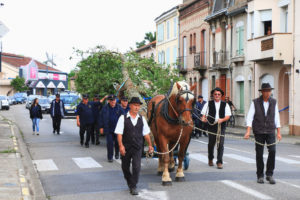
(270, 48)
(147, 51)
(194, 54)
(167, 37)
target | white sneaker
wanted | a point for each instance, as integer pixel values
(33, 132)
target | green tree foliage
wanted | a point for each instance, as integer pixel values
(19, 84)
(140, 44)
(100, 72)
(150, 37)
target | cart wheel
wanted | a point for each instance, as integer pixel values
(186, 162)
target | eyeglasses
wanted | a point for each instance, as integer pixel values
(217, 94)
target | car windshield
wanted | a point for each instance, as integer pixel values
(2, 98)
(30, 98)
(43, 101)
(70, 99)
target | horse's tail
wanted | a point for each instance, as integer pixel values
(152, 113)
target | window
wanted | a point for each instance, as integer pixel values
(191, 43)
(175, 27)
(160, 33)
(161, 57)
(168, 30)
(242, 95)
(174, 54)
(284, 19)
(266, 19)
(194, 43)
(252, 25)
(240, 38)
(184, 52)
(213, 82)
(168, 56)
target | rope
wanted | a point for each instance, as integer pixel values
(218, 134)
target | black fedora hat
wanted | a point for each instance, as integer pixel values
(265, 86)
(217, 89)
(85, 96)
(135, 100)
(111, 97)
(124, 98)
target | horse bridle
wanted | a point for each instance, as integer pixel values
(180, 93)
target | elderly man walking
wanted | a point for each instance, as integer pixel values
(263, 117)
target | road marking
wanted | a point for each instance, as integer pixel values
(240, 158)
(294, 156)
(285, 160)
(155, 195)
(201, 158)
(199, 141)
(86, 162)
(120, 162)
(45, 165)
(246, 190)
(290, 184)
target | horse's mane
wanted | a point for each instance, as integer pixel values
(174, 90)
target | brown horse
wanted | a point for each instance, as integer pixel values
(168, 117)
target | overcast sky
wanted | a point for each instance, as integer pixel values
(56, 26)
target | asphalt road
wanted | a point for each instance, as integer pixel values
(68, 171)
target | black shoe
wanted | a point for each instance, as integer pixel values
(53, 131)
(93, 142)
(197, 136)
(117, 157)
(86, 145)
(110, 160)
(260, 180)
(97, 143)
(134, 191)
(271, 179)
(58, 133)
(81, 143)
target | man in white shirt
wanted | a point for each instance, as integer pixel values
(131, 129)
(263, 117)
(216, 112)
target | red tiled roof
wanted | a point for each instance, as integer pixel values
(18, 61)
(151, 44)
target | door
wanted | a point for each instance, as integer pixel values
(184, 52)
(242, 95)
(223, 84)
(205, 89)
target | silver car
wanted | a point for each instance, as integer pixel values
(30, 99)
(45, 104)
(4, 102)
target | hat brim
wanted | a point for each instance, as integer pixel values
(266, 89)
(136, 102)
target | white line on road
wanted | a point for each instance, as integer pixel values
(86, 162)
(240, 158)
(45, 165)
(246, 190)
(201, 158)
(294, 156)
(199, 141)
(285, 160)
(290, 184)
(155, 195)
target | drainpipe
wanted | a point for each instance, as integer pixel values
(293, 73)
(230, 69)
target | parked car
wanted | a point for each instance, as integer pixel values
(51, 98)
(71, 100)
(20, 97)
(30, 99)
(4, 102)
(45, 104)
(12, 100)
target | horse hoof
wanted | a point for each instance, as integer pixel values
(159, 173)
(167, 183)
(180, 179)
(171, 169)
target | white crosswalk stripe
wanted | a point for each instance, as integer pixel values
(240, 158)
(86, 162)
(45, 165)
(247, 190)
(294, 156)
(285, 160)
(201, 158)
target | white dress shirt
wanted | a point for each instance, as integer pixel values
(251, 113)
(205, 110)
(120, 125)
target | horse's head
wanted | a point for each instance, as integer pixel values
(184, 100)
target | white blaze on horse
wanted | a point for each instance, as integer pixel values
(170, 120)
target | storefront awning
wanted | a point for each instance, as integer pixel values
(61, 85)
(40, 84)
(51, 85)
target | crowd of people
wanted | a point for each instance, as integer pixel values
(126, 130)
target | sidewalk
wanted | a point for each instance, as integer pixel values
(286, 138)
(13, 184)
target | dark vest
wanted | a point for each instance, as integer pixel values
(264, 124)
(212, 112)
(133, 135)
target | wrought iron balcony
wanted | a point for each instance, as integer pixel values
(221, 59)
(200, 61)
(181, 64)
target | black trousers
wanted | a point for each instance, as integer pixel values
(212, 142)
(56, 120)
(111, 142)
(269, 139)
(85, 128)
(132, 156)
(95, 133)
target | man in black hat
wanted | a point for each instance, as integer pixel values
(263, 117)
(197, 116)
(131, 129)
(108, 119)
(216, 112)
(57, 112)
(124, 104)
(97, 106)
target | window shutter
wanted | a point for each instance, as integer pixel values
(241, 37)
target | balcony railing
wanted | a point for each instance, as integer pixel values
(200, 60)
(221, 58)
(181, 64)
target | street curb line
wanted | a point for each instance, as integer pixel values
(22, 180)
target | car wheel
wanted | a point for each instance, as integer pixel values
(7, 108)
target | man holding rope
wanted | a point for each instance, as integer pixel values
(263, 116)
(216, 113)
